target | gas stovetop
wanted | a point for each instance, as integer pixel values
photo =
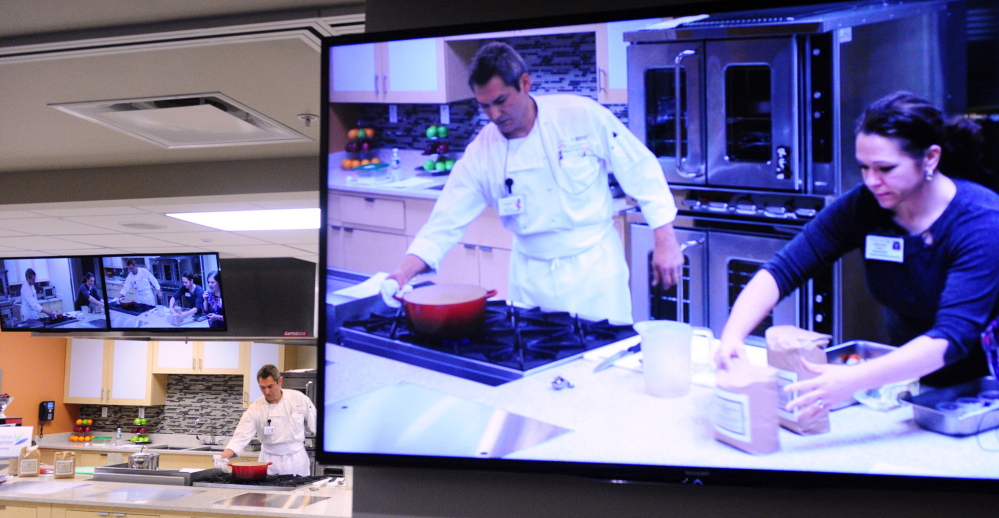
(219, 478)
(515, 342)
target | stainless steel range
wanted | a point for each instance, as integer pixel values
(222, 479)
(751, 115)
(515, 342)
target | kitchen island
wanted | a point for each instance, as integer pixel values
(83, 497)
(610, 419)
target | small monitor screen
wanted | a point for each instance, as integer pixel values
(52, 294)
(164, 292)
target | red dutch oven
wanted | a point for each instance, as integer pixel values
(248, 470)
(446, 310)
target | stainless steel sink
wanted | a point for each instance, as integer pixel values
(38, 488)
(146, 494)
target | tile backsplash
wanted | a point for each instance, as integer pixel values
(216, 399)
(561, 63)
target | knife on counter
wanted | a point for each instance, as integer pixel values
(617, 356)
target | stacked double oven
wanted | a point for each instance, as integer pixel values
(752, 115)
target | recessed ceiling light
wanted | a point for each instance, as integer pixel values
(142, 226)
(241, 220)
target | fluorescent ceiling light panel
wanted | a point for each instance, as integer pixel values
(187, 121)
(243, 220)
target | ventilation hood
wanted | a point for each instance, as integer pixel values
(185, 121)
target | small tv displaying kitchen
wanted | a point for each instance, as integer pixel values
(436, 350)
(55, 294)
(176, 292)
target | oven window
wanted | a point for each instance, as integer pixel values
(660, 111)
(663, 302)
(748, 117)
(739, 273)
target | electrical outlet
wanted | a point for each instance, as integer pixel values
(445, 114)
(104, 411)
(393, 113)
(142, 412)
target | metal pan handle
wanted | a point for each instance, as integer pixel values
(679, 285)
(677, 87)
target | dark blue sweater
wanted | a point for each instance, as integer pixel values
(947, 289)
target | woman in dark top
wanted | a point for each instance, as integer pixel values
(213, 300)
(930, 242)
(87, 294)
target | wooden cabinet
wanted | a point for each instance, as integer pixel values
(256, 355)
(112, 372)
(17, 267)
(175, 357)
(24, 510)
(425, 70)
(110, 513)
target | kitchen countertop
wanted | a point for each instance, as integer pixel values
(157, 319)
(60, 441)
(613, 420)
(84, 492)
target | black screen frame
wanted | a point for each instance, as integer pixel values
(670, 474)
(95, 269)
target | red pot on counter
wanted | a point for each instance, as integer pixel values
(248, 470)
(446, 310)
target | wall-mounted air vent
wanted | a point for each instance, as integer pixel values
(185, 121)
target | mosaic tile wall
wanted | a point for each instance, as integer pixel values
(216, 399)
(562, 63)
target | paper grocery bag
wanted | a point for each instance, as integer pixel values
(786, 347)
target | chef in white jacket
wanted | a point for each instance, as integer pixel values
(147, 288)
(543, 162)
(278, 421)
(31, 309)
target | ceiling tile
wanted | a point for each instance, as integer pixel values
(284, 237)
(12, 233)
(207, 206)
(119, 223)
(122, 241)
(43, 243)
(256, 251)
(209, 239)
(51, 227)
(160, 250)
(102, 210)
(17, 214)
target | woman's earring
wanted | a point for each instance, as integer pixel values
(928, 174)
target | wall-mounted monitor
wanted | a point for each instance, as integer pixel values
(169, 292)
(52, 294)
(385, 402)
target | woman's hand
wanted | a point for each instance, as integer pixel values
(728, 350)
(833, 385)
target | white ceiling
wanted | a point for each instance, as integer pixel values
(275, 70)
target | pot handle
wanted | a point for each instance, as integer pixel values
(491, 293)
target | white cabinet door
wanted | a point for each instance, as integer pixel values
(354, 75)
(85, 371)
(175, 357)
(131, 370)
(260, 354)
(219, 358)
(412, 65)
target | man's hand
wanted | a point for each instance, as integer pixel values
(390, 289)
(220, 463)
(667, 258)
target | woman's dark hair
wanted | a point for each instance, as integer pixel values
(189, 275)
(87, 276)
(218, 277)
(497, 59)
(916, 125)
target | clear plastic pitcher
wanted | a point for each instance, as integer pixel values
(666, 357)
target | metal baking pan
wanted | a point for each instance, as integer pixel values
(839, 354)
(965, 409)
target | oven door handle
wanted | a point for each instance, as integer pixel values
(679, 285)
(677, 87)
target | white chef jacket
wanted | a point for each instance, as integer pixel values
(285, 448)
(145, 285)
(560, 169)
(30, 308)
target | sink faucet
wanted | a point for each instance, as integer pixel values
(210, 440)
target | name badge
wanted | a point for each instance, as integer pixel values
(188, 294)
(268, 430)
(510, 205)
(884, 248)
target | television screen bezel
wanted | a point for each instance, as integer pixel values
(64, 330)
(670, 474)
(167, 331)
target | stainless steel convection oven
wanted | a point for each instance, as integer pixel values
(751, 115)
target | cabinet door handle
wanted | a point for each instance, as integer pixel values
(376, 85)
(335, 227)
(369, 200)
(470, 247)
(194, 364)
(201, 364)
(103, 513)
(486, 248)
(348, 229)
(118, 514)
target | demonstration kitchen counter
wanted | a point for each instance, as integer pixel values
(176, 450)
(83, 497)
(612, 419)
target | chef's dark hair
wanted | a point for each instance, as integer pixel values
(188, 274)
(269, 371)
(131, 262)
(29, 273)
(87, 276)
(916, 124)
(497, 59)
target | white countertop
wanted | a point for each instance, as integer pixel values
(60, 441)
(406, 181)
(613, 420)
(123, 497)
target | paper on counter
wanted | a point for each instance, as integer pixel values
(368, 288)
(413, 183)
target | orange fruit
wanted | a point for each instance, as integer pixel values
(345, 163)
(369, 132)
(79, 422)
(376, 160)
(355, 163)
(352, 133)
(365, 161)
(73, 438)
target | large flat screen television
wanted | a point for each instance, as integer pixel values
(52, 294)
(169, 292)
(796, 72)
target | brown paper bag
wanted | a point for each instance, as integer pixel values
(745, 408)
(28, 462)
(65, 464)
(786, 347)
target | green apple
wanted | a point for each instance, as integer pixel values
(449, 164)
(441, 131)
(440, 166)
(432, 131)
(429, 165)
(143, 420)
(137, 421)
